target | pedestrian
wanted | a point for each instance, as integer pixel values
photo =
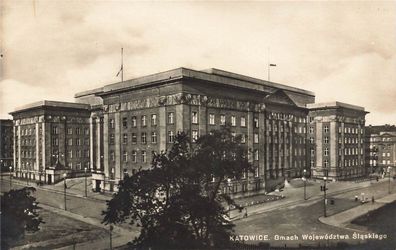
(372, 199)
(246, 214)
(356, 198)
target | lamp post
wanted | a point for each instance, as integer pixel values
(1, 169)
(64, 188)
(111, 243)
(10, 177)
(324, 189)
(85, 170)
(305, 183)
(389, 178)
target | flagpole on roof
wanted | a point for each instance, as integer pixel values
(122, 64)
(121, 71)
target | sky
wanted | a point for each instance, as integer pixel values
(342, 51)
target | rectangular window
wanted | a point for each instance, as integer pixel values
(78, 153)
(69, 131)
(171, 136)
(256, 154)
(144, 156)
(144, 137)
(233, 121)
(125, 122)
(255, 122)
(78, 141)
(326, 140)
(134, 138)
(125, 138)
(326, 163)
(211, 119)
(70, 154)
(144, 121)
(194, 135)
(326, 151)
(326, 129)
(243, 138)
(194, 117)
(153, 137)
(54, 130)
(125, 156)
(86, 131)
(55, 141)
(255, 138)
(243, 121)
(86, 153)
(153, 120)
(112, 139)
(222, 119)
(70, 142)
(312, 152)
(133, 156)
(112, 156)
(111, 123)
(133, 122)
(86, 141)
(171, 118)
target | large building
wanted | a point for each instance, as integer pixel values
(6, 144)
(336, 139)
(142, 116)
(51, 139)
(380, 148)
(125, 123)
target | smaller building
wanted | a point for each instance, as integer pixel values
(6, 144)
(51, 139)
(381, 148)
(336, 139)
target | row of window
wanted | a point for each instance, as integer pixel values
(77, 154)
(349, 130)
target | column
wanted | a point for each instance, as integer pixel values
(333, 149)
(19, 148)
(43, 147)
(15, 147)
(106, 145)
(37, 166)
(98, 152)
(91, 142)
(117, 145)
(162, 128)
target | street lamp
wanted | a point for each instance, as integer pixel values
(10, 177)
(64, 188)
(324, 189)
(85, 170)
(111, 243)
(1, 169)
(305, 183)
(389, 179)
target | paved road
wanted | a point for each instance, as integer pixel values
(302, 218)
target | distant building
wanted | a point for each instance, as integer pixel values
(51, 139)
(380, 147)
(336, 137)
(6, 144)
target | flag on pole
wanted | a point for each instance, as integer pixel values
(272, 65)
(121, 69)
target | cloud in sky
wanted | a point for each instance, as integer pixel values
(341, 51)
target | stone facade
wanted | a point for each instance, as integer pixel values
(6, 144)
(142, 116)
(336, 139)
(51, 139)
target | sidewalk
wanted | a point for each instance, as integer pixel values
(344, 218)
(295, 196)
(75, 187)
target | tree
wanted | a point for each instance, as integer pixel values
(18, 214)
(177, 203)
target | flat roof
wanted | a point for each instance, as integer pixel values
(55, 104)
(325, 105)
(211, 75)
